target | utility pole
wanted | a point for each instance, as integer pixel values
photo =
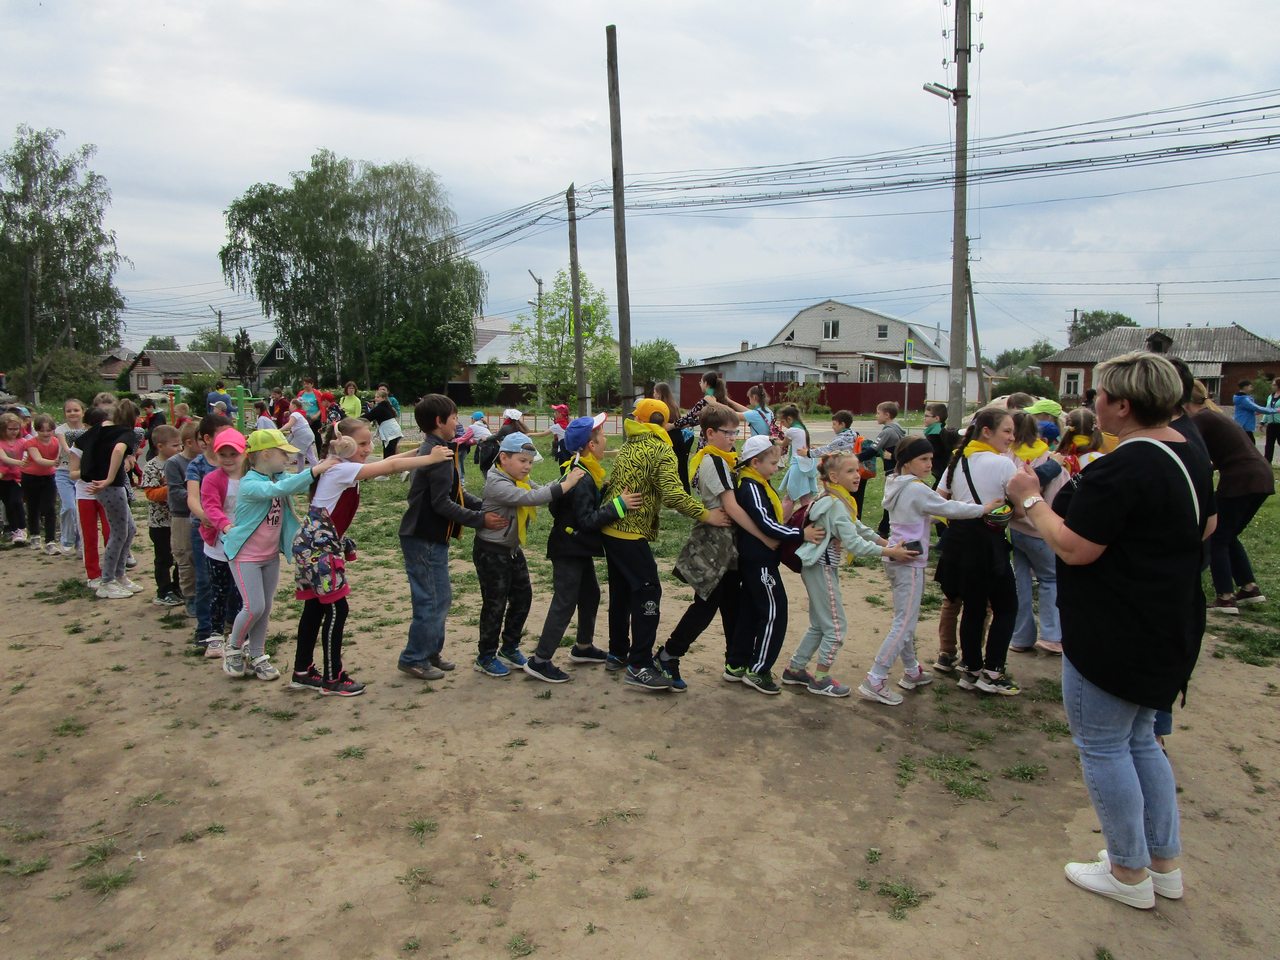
(1156, 301)
(619, 219)
(959, 235)
(218, 314)
(977, 349)
(579, 366)
(537, 327)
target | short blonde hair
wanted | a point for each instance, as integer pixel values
(1148, 381)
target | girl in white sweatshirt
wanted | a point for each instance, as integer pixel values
(910, 502)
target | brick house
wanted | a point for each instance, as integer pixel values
(153, 370)
(1220, 357)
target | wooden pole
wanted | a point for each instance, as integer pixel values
(579, 365)
(977, 349)
(959, 235)
(619, 220)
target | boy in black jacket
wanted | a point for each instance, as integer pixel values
(572, 545)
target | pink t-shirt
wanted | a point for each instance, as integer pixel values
(264, 543)
(48, 450)
(14, 449)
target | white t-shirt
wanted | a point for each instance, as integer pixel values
(557, 431)
(480, 430)
(991, 473)
(332, 482)
(229, 508)
(300, 433)
(795, 439)
(264, 423)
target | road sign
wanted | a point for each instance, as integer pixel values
(909, 351)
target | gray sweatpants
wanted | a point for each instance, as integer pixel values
(257, 581)
(908, 589)
(115, 504)
(827, 624)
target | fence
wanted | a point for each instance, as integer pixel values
(858, 398)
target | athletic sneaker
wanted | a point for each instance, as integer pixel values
(440, 663)
(68, 551)
(546, 670)
(1167, 885)
(308, 679)
(762, 681)
(19, 537)
(1223, 605)
(491, 666)
(827, 686)
(130, 562)
(670, 668)
(878, 691)
(93, 584)
(1000, 683)
(113, 590)
(1244, 598)
(129, 585)
(51, 549)
(232, 660)
(613, 664)
(1027, 649)
(946, 662)
(513, 656)
(161, 601)
(733, 674)
(1097, 878)
(264, 669)
(910, 681)
(1053, 647)
(35, 543)
(646, 678)
(589, 655)
(342, 686)
(967, 679)
(172, 599)
(213, 648)
(797, 678)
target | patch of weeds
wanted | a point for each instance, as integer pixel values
(651, 755)
(70, 727)
(906, 771)
(864, 883)
(1006, 708)
(904, 896)
(411, 945)
(17, 688)
(345, 906)
(421, 828)
(118, 668)
(149, 799)
(590, 928)
(282, 715)
(1054, 729)
(639, 893)
(96, 854)
(875, 600)
(544, 695)
(1255, 644)
(415, 878)
(517, 742)
(72, 588)
(1044, 690)
(520, 945)
(873, 855)
(1026, 772)
(106, 883)
(625, 816)
(215, 829)
(351, 753)
(1102, 953)
(189, 836)
(588, 724)
(25, 868)
(75, 628)
(960, 775)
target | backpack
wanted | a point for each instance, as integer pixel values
(787, 552)
(866, 468)
(487, 452)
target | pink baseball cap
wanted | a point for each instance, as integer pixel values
(229, 437)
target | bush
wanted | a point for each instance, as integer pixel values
(1026, 383)
(70, 374)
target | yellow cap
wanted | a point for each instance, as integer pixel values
(646, 408)
(261, 440)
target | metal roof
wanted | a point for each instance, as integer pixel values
(1231, 344)
(184, 361)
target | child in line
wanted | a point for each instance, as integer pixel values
(884, 446)
(1081, 440)
(218, 492)
(762, 623)
(175, 481)
(505, 590)
(12, 451)
(182, 415)
(200, 467)
(264, 527)
(709, 560)
(912, 502)
(438, 509)
(834, 515)
(264, 421)
(800, 482)
(321, 550)
(89, 513)
(941, 437)
(165, 443)
(105, 466)
(301, 434)
(559, 424)
(572, 546)
(68, 523)
(38, 489)
(1031, 555)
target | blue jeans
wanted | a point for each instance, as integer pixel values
(427, 565)
(1129, 778)
(1033, 555)
(68, 516)
(204, 592)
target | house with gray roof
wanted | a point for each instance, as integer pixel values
(153, 370)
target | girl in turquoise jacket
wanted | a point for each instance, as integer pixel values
(264, 527)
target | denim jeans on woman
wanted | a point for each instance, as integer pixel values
(1128, 776)
(1031, 555)
(427, 565)
(68, 518)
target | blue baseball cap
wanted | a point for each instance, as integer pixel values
(579, 431)
(516, 443)
(478, 415)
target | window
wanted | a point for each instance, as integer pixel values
(279, 353)
(882, 331)
(867, 371)
(144, 382)
(146, 361)
(830, 329)
(1071, 380)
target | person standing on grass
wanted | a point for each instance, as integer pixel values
(89, 513)
(166, 444)
(200, 467)
(439, 507)
(38, 489)
(1246, 409)
(1271, 421)
(12, 452)
(1128, 536)
(66, 432)
(218, 492)
(105, 467)
(175, 480)
(572, 546)
(322, 549)
(646, 465)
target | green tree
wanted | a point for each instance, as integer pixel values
(68, 373)
(57, 258)
(354, 260)
(654, 360)
(543, 341)
(1092, 323)
(1023, 356)
(208, 340)
(161, 343)
(1026, 383)
(242, 365)
(603, 373)
(486, 385)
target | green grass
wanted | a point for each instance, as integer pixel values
(25, 868)
(96, 854)
(1026, 772)
(107, 882)
(351, 753)
(959, 775)
(70, 727)
(421, 828)
(72, 588)
(903, 895)
(520, 945)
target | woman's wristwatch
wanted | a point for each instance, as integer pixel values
(1031, 501)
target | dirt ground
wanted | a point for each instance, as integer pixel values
(483, 818)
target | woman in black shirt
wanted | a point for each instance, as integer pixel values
(1128, 536)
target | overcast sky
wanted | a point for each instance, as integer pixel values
(191, 103)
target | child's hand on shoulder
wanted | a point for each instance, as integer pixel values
(814, 533)
(328, 463)
(572, 479)
(439, 454)
(632, 501)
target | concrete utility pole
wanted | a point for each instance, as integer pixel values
(218, 314)
(959, 234)
(579, 365)
(537, 326)
(619, 221)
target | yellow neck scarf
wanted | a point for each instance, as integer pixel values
(632, 428)
(977, 446)
(751, 473)
(1081, 442)
(589, 463)
(1032, 452)
(729, 457)
(524, 515)
(845, 497)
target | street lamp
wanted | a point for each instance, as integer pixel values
(537, 325)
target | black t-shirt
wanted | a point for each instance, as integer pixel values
(96, 449)
(1132, 620)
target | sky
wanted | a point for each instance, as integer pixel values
(189, 104)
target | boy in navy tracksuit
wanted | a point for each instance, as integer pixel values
(762, 622)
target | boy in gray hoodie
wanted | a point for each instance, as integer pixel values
(505, 591)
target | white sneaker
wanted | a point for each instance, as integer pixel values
(68, 551)
(213, 649)
(1097, 878)
(112, 590)
(51, 549)
(878, 692)
(1167, 885)
(130, 562)
(129, 585)
(232, 660)
(263, 669)
(94, 584)
(910, 681)
(35, 543)
(19, 537)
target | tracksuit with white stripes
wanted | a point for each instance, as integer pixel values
(762, 620)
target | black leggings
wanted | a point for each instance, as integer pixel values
(224, 602)
(15, 517)
(389, 448)
(41, 497)
(724, 599)
(978, 573)
(325, 621)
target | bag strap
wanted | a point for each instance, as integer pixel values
(968, 478)
(1195, 498)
